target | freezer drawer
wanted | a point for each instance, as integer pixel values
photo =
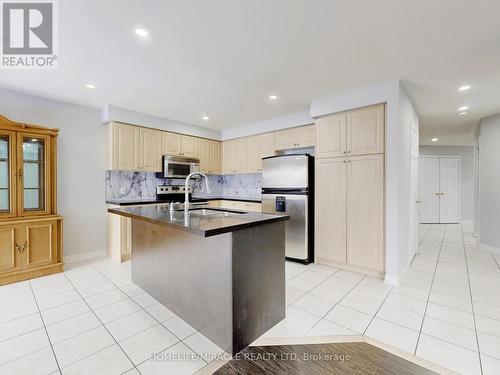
(296, 228)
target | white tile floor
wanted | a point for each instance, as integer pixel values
(92, 319)
(446, 311)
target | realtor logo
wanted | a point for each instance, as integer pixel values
(28, 35)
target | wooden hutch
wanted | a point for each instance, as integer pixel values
(30, 228)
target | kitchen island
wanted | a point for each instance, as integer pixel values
(221, 271)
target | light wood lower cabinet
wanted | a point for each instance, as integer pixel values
(365, 211)
(119, 236)
(30, 248)
(350, 211)
(330, 209)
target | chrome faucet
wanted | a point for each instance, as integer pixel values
(186, 189)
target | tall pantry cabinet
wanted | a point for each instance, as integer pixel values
(350, 160)
(30, 228)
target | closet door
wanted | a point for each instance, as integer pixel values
(449, 190)
(429, 190)
(365, 211)
(331, 209)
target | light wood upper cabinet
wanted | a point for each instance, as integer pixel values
(189, 146)
(306, 136)
(204, 149)
(149, 151)
(215, 157)
(331, 204)
(254, 157)
(285, 139)
(180, 145)
(209, 152)
(331, 133)
(302, 136)
(228, 157)
(365, 212)
(125, 148)
(134, 148)
(171, 144)
(241, 155)
(365, 131)
(267, 147)
(235, 156)
(357, 132)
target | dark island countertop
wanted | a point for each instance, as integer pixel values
(204, 225)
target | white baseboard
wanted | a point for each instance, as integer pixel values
(491, 249)
(72, 258)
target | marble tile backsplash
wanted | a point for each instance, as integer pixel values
(142, 185)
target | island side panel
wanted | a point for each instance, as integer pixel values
(188, 273)
(258, 282)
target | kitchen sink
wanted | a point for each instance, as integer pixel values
(213, 212)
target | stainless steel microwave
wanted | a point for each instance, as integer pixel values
(179, 166)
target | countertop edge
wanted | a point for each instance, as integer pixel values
(201, 232)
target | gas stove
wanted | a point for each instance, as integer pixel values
(174, 193)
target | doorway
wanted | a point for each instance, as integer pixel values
(439, 186)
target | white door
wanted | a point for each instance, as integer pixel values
(429, 190)
(414, 199)
(449, 170)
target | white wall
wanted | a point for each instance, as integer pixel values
(489, 184)
(407, 117)
(111, 113)
(80, 165)
(467, 174)
(397, 163)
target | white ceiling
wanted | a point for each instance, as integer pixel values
(223, 58)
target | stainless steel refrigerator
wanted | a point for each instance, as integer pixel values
(288, 187)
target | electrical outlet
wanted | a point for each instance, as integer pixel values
(122, 190)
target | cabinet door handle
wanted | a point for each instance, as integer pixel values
(437, 193)
(21, 248)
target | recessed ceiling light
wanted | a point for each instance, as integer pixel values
(435, 139)
(463, 113)
(463, 108)
(206, 118)
(90, 86)
(273, 97)
(464, 88)
(141, 32)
